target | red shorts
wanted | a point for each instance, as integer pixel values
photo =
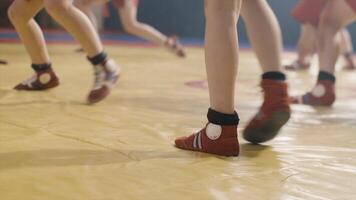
(309, 11)
(121, 3)
(352, 4)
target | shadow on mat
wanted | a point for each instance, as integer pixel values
(57, 157)
(250, 150)
(61, 157)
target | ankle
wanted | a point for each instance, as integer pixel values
(39, 68)
(222, 119)
(326, 76)
(98, 59)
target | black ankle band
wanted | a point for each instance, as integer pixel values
(326, 76)
(348, 54)
(100, 58)
(41, 67)
(275, 75)
(219, 118)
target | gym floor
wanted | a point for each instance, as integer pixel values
(54, 146)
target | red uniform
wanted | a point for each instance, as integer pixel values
(352, 3)
(309, 11)
(121, 3)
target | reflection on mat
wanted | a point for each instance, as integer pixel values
(55, 147)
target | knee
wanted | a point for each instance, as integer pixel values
(130, 27)
(56, 7)
(329, 23)
(15, 13)
(82, 4)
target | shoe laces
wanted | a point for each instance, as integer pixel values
(99, 77)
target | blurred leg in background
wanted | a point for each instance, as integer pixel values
(21, 13)
(335, 16)
(127, 10)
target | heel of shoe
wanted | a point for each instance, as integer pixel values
(228, 147)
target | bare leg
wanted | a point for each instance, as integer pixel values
(21, 13)
(86, 7)
(128, 15)
(336, 15)
(345, 42)
(307, 43)
(346, 49)
(261, 24)
(221, 55)
(307, 47)
(76, 23)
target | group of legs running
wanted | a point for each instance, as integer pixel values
(308, 14)
(219, 136)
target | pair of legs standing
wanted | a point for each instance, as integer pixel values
(219, 136)
(21, 14)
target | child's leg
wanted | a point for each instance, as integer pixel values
(76, 23)
(336, 15)
(264, 33)
(266, 39)
(128, 16)
(307, 43)
(21, 13)
(346, 49)
(307, 47)
(221, 55)
(86, 7)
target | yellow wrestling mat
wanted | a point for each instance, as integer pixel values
(55, 147)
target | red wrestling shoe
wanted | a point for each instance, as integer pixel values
(213, 139)
(274, 113)
(297, 65)
(323, 94)
(106, 76)
(175, 46)
(42, 80)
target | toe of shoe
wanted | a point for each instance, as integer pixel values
(21, 87)
(97, 95)
(181, 143)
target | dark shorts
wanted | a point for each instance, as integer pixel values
(309, 11)
(121, 3)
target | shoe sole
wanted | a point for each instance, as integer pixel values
(53, 84)
(91, 101)
(233, 149)
(268, 130)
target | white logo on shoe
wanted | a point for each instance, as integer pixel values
(44, 78)
(319, 90)
(213, 131)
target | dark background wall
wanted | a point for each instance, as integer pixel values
(186, 18)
